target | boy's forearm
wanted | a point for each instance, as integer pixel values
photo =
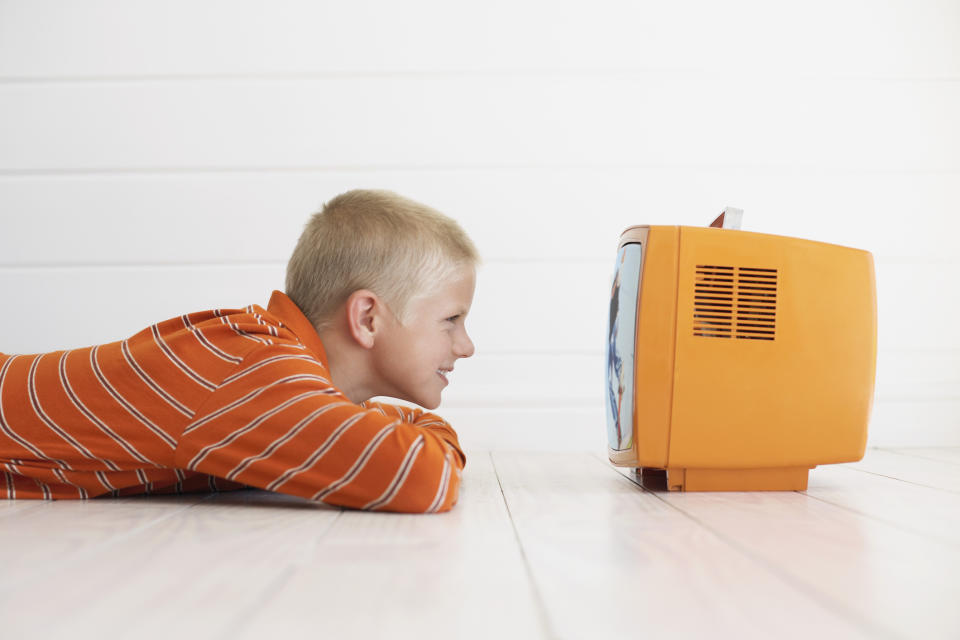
(443, 429)
(423, 420)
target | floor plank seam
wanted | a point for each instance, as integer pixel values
(914, 532)
(911, 482)
(545, 622)
(908, 454)
(820, 599)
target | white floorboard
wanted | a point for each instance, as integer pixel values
(192, 572)
(934, 513)
(44, 543)
(894, 581)
(11, 507)
(379, 575)
(612, 561)
(541, 545)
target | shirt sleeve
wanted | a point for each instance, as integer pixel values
(279, 424)
(424, 420)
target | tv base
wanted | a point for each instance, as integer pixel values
(768, 479)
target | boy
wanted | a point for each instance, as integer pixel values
(377, 291)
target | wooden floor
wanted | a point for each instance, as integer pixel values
(540, 546)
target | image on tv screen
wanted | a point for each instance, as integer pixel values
(621, 334)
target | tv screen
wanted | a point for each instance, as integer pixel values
(621, 335)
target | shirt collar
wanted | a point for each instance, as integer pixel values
(289, 314)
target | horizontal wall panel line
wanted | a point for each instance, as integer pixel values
(187, 171)
(121, 173)
(919, 397)
(560, 401)
(558, 352)
(538, 405)
(521, 71)
(553, 403)
(226, 264)
(168, 266)
(607, 72)
(927, 401)
(175, 265)
(930, 350)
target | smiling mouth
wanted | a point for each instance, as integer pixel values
(443, 373)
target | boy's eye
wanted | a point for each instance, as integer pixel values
(453, 318)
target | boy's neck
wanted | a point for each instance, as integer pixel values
(347, 364)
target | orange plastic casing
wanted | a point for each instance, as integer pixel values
(755, 357)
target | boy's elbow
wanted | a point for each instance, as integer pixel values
(436, 487)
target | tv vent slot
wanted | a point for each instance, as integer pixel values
(713, 297)
(735, 302)
(756, 310)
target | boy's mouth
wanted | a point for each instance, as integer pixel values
(443, 373)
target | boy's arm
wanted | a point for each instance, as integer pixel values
(279, 424)
(422, 419)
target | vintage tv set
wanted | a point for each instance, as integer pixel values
(737, 361)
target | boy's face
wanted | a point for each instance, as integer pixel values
(413, 359)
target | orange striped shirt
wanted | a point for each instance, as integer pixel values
(216, 400)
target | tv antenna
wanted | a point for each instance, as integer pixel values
(729, 219)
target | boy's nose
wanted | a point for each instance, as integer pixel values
(464, 346)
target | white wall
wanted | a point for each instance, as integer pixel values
(159, 157)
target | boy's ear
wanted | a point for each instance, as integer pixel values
(362, 309)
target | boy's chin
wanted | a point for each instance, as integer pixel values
(430, 406)
(429, 403)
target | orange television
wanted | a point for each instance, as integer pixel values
(738, 361)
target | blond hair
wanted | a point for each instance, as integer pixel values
(377, 240)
